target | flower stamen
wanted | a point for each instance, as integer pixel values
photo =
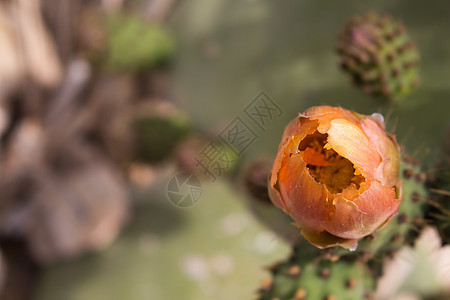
(326, 166)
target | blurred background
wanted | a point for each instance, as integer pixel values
(103, 102)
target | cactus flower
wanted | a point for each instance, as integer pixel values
(336, 175)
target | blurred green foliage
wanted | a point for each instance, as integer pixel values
(136, 45)
(156, 136)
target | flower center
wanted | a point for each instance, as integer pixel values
(326, 166)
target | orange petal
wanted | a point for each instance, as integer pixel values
(349, 141)
(360, 217)
(305, 198)
(329, 113)
(386, 145)
(276, 199)
(296, 130)
(325, 114)
(312, 157)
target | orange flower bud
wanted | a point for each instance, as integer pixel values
(336, 175)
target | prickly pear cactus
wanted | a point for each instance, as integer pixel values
(379, 56)
(340, 274)
(312, 274)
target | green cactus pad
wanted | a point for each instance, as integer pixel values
(309, 276)
(379, 56)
